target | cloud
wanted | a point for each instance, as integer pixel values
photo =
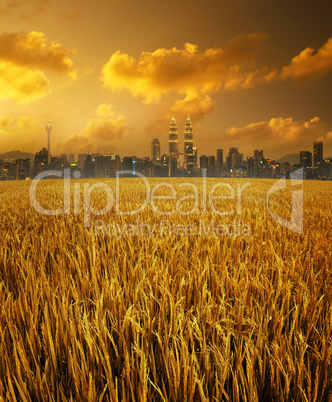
(98, 134)
(21, 84)
(159, 127)
(22, 125)
(283, 129)
(239, 79)
(183, 71)
(327, 139)
(24, 57)
(275, 136)
(26, 131)
(78, 143)
(243, 46)
(105, 130)
(105, 110)
(198, 105)
(194, 75)
(32, 50)
(106, 127)
(310, 64)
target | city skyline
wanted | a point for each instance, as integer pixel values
(110, 77)
(173, 133)
(187, 164)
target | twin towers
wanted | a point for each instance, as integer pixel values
(190, 152)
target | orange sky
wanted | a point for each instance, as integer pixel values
(251, 73)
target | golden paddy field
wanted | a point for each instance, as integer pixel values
(197, 310)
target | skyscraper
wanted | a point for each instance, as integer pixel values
(258, 153)
(173, 138)
(188, 136)
(306, 159)
(114, 164)
(99, 165)
(155, 151)
(195, 157)
(48, 130)
(128, 165)
(64, 158)
(203, 162)
(318, 154)
(189, 157)
(71, 158)
(81, 160)
(251, 166)
(220, 160)
(234, 158)
(41, 160)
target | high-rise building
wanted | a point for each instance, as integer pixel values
(173, 165)
(48, 130)
(88, 165)
(64, 158)
(229, 157)
(24, 166)
(258, 154)
(190, 154)
(212, 166)
(195, 157)
(107, 165)
(12, 171)
(306, 159)
(155, 151)
(161, 170)
(212, 161)
(71, 159)
(181, 161)
(203, 162)
(56, 163)
(318, 154)
(209, 164)
(127, 164)
(100, 165)
(165, 163)
(237, 160)
(234, 158)
(220, 161)
(2, 172)
(326, 169)
(188, 136)
(142, 166)
(81, 160)
(41, 161)
(251, 166)
(115, 162)
(173, 138)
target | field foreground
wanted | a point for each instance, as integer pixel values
(115, 312)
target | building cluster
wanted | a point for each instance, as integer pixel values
(172, 164)
(15, 170)
(187, 164)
